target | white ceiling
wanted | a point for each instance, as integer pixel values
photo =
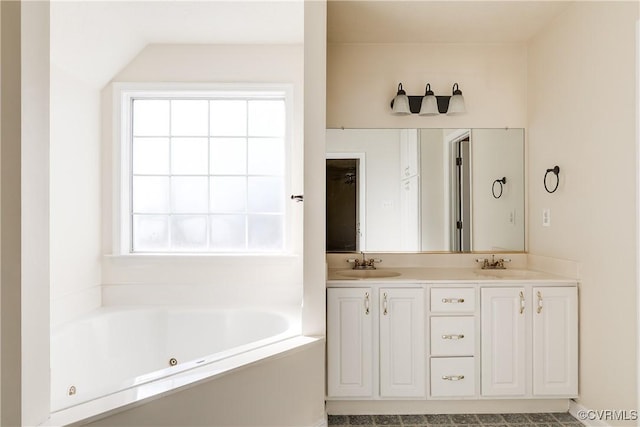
(360, 21)
(93, 40)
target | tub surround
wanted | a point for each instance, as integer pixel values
(217, 281)
(75, 304)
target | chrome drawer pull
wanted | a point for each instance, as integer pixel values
(539, 302)
(453, 377)
(453, 300)
(366, 303)
(452, 337)
(385, 310)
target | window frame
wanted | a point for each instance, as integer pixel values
(124, 94)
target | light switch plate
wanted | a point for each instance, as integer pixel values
(546, 217)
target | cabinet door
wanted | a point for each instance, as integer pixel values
(402, 356)
(555, 341)
(503, 330)
(349, 342)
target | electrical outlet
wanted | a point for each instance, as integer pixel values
(546, 217)
(512, 217)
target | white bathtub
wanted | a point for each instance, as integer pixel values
(113, 349)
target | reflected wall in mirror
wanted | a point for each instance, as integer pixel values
(425, 190)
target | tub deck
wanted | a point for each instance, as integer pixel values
(140, 394)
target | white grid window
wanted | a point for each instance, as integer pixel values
(207, 174)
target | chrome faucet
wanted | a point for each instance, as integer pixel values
(494, 264)
(364, 264)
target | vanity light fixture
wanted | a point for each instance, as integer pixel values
(400, 104)
(456, 103)
(429, 104)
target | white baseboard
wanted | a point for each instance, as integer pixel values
(576, 409)
(460, 406)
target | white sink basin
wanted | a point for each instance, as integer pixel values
(367, 274)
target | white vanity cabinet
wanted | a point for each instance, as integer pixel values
(459, 338)
(529, 330)
(375, 342)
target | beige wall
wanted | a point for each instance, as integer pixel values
(498, 224)
(362, 79)
(10, 203)
(582, 117)
(434, 222)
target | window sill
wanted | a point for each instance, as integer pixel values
(222, 258)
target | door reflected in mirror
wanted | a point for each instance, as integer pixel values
(425, 190)
(343, 234)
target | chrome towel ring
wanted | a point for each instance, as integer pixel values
(500, 181)
(556, 172)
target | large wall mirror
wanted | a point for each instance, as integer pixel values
(425, 190)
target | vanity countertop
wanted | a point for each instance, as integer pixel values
(424, 275)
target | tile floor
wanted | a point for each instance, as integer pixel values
(457, 420)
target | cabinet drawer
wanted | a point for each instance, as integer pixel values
(452, 336)
(453, 300)
(452, 376)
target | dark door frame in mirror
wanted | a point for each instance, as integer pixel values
(345, 178)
